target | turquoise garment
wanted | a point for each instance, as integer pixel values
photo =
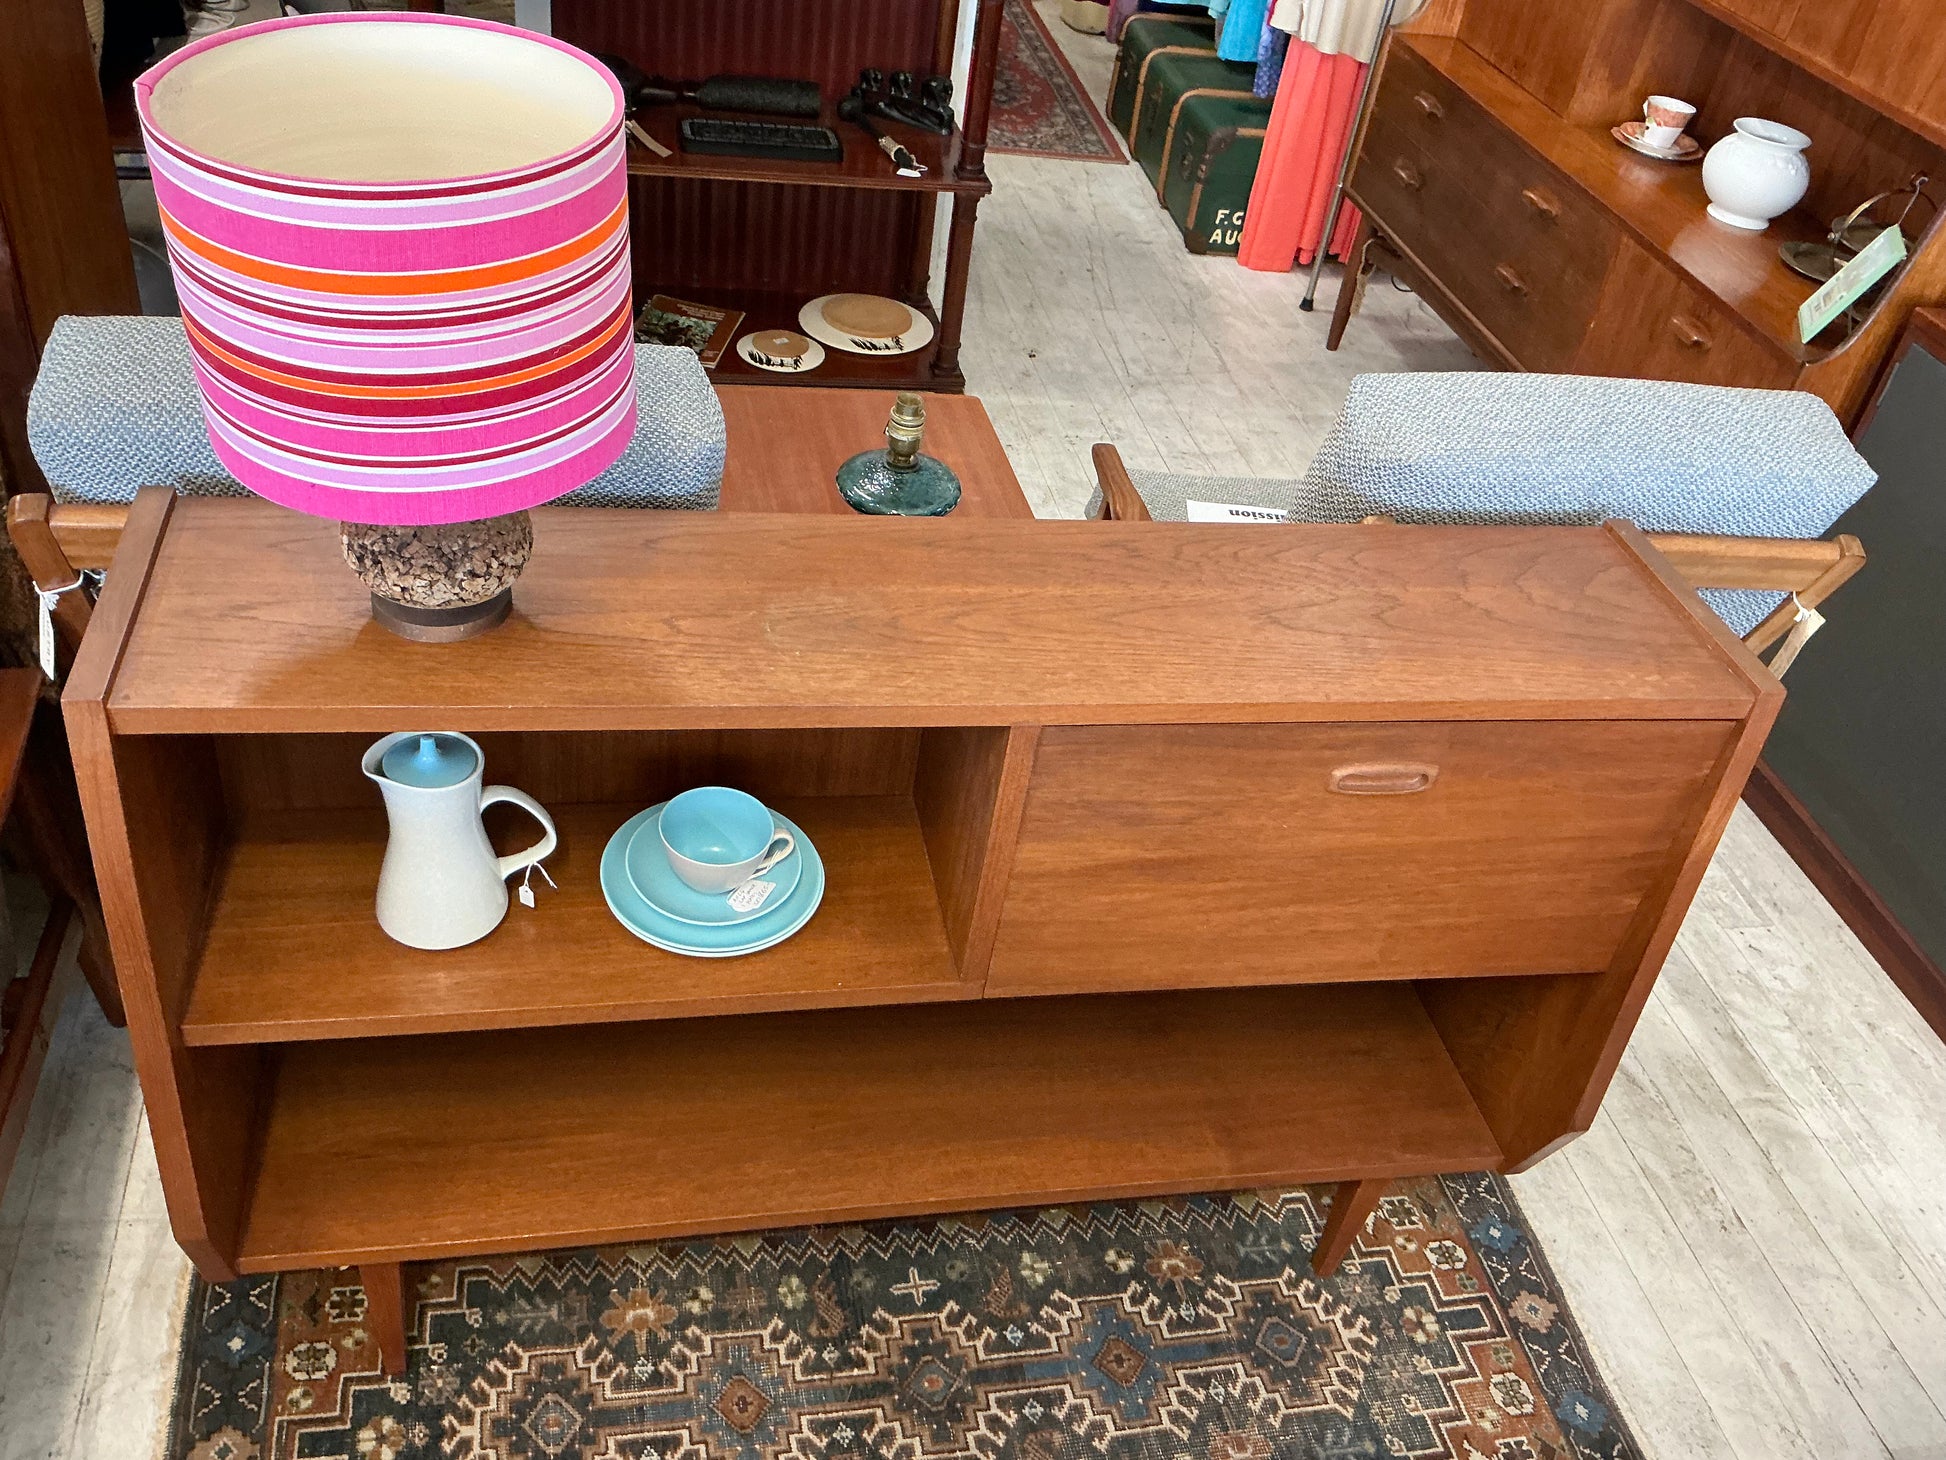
(1243, 29)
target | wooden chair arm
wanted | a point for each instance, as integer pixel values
(1120, 502)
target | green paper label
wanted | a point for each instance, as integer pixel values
(1877, 259)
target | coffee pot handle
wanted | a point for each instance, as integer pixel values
(541, 849)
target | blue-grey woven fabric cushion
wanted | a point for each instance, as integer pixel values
(1476, 448)
(115, 408)
(1669, 457)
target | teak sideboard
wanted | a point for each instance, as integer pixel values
(1325, 854)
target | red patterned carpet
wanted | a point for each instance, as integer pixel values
(1039, 106)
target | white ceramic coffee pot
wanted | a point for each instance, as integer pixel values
(441, 885)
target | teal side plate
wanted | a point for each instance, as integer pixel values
(771, 926)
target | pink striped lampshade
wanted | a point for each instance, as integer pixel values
(401, 246)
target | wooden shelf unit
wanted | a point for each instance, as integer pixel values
(1489, 180)
(1888, 54)
(1053, 759)
(766, 236)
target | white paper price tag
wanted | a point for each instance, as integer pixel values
(751, 896)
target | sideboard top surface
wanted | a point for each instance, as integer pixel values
(248, 621)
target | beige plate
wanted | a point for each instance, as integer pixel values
(751, 349)
(916, 336)
(1629, 134)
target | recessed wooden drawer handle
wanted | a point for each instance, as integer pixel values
(1512, 282)
(1383, 780)
(1406, 173)
(1541, 203)
(1689, 332)
(1429, 104)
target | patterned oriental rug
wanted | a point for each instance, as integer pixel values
(1181, 1329)
(1040, 107)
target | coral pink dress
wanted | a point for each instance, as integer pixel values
(1332, 46)
(1310, 128)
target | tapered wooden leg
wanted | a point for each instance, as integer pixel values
(385, 1311)
(99, 968)
(1348, 284)
(1351, 1204)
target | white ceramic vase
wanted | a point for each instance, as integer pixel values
(1756, 173)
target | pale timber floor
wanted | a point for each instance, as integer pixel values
(1753, 1236)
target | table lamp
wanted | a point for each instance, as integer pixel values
(400, 241)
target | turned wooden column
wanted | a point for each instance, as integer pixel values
(972, 165)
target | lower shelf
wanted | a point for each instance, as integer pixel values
(410, 1148)
(840, 370)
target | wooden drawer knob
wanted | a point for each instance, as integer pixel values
(1407, 174)
(1429, 104)
(1509, 280)
(1689, 333)
(1541, 203)
(1383, 780)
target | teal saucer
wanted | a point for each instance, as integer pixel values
(656, 882)
(771, 926)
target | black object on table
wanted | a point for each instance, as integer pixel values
(785, 141)
(1861, 741)
(854, 109)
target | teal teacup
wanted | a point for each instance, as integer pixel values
(717, 839)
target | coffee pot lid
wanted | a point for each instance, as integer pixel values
(430, 762)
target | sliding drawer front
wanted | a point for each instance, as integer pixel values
(1654, 325)
(1192, 855)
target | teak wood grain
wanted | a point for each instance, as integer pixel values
(784, 448)
(971, 788)
(1571, 1032)
(151, 828)
(635, 620)
(297, 895)
(1528, 849)
(775, 1120)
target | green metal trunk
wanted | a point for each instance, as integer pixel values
(1208, 169)
(1145, 37)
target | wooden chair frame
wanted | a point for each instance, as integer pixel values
(1809, 569)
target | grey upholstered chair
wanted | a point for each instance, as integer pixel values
(115, 408)
(1735, 485)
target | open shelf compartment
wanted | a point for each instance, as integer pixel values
(632, 1132)
(291, 949)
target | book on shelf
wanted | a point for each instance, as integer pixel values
(704, 328)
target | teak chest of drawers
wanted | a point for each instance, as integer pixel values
(1549, 247)
(1328, 853)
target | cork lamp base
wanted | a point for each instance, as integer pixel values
(441, 582)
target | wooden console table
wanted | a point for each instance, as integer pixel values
(1334, 853)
